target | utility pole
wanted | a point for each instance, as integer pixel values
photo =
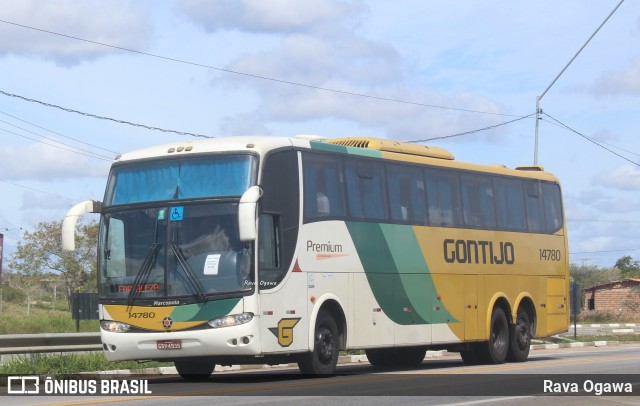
(538, 109)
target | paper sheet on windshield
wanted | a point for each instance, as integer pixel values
(211, 264)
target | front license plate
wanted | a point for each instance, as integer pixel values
(169, 344)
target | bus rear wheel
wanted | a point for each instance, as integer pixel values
(324, 357)
(520, 338)
(195, 369)
(495, 350)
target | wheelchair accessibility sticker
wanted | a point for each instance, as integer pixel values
(176, 213)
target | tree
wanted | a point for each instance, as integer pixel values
(40, 253)
(588, 275)
(628, 267)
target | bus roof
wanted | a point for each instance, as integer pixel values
(366, 146)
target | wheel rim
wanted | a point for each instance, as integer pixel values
(499, 336)
(325, 345)
(522, 334)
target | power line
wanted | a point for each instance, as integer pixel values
(605, 251)
(266, 78)
(68, 110)
(597, 140)
(37, 190)
(75, 151)
(91, 153)
(591, 140)
(57, 133)
(473, 131)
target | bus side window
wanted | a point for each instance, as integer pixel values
(269, 249)
(443, 198)
(510, 204)
(405, 186)
(365, 190)
(323, 187)
(477, 202)
(552, 207)
(535, 217)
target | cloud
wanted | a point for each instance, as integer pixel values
(626, 178)
(593, 244)
(319, 49)
(39, 201)
(353, 65)
(625, 81)
(273, 16)
(38, 161)
(120, 23)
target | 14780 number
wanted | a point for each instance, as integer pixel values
(550, 255)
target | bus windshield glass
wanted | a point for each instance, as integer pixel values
(181, 178)
(190, 251)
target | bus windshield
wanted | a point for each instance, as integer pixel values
(180, 178)
(173, 251)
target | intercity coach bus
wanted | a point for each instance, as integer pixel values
(267, 250)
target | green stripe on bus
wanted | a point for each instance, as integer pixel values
(397, 273)
(204, 311)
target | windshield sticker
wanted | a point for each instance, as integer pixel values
(211, 264)
(176, 213)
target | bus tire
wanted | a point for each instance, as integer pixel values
(470, 356)
(520, 338)
(379, 357)
(195, 369)
(495, 350)
(324, 357)
(396, 357)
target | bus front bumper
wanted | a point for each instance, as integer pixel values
(227, 341)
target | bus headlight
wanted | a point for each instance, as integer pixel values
(114, 326)
(231, 320)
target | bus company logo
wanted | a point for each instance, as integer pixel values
(23, 385)
(167, 322)
(284, 331)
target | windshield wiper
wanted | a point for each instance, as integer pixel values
(143, 273)
(189, 272)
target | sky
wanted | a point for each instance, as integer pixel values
(406, 70)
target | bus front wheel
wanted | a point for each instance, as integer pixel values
(195, 369)
(324, 357)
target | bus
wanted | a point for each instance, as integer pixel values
(272, 250)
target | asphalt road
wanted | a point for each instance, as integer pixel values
(438, 381)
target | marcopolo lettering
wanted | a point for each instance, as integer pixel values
(478, 252)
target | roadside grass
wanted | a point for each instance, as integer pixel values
(621, 338)
(15, 320)
(601, 316)
(70, 364)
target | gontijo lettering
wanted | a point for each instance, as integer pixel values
(478, 252)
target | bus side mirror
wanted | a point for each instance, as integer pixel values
(247, 213)
(71, 219)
